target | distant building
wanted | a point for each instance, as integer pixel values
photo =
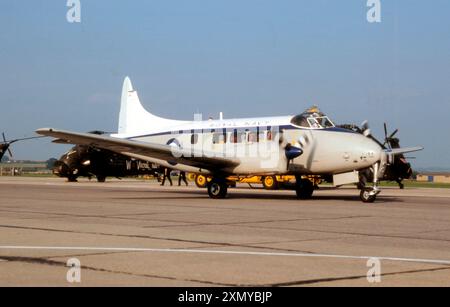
(20, 168)
(436, 177)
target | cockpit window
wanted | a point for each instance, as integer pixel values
(312, 118)
(324, 122)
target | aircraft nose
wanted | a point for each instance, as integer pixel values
(369, 151)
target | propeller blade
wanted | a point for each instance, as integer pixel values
(365, 125)
(365, 128)
(393, 133)
(4, 138)
(303, 141)
(386, 139)
(9, 152)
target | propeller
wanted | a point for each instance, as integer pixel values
(292, 151)
(365, 128)
(7, 144)
(388, 140)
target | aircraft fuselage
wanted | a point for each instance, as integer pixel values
(259, 146)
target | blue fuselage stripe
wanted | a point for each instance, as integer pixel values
(210, 130)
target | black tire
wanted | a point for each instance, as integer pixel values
(270, 182)
(101, 178)
(366, 197)
(201, 181)
(304, 189)
(72, 178)
(217, 189)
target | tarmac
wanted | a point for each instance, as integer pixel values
(137, 233)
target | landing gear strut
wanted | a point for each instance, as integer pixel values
(400, 184)
(303, 187)
(369, 195)
(217, 188)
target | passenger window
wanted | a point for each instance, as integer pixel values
(262, 136)
(219, 138)
(238, 136)
(233, 137)
(252, 137)
(194, 139)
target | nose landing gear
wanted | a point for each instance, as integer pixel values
(369, 195)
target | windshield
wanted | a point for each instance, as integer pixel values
(312, 118)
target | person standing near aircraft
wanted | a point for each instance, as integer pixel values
(166, 175)
(182, 176)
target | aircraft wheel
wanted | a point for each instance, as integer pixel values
(72, 179)
(201, 181)
(217, 189)
(366, 197)
(101, 178)
(304, 189)
(270, 182)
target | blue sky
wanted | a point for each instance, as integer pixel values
(245, 58)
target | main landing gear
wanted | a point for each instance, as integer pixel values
(217, 188)
(303, 187)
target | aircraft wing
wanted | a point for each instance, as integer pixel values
(167, 153)
(399, 151)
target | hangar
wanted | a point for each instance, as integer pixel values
(436, 177)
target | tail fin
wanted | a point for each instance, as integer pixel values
(134, 119)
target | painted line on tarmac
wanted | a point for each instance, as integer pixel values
(221, 252)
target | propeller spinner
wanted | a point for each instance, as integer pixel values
(293, 151)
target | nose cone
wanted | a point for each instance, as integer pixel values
(366, 151)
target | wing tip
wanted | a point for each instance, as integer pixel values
(43, 131)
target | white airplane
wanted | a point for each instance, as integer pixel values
(305, 144)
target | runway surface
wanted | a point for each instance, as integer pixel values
(136, 233)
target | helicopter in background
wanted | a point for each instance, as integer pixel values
(90, 161)
(398, 170)
(5, 145)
